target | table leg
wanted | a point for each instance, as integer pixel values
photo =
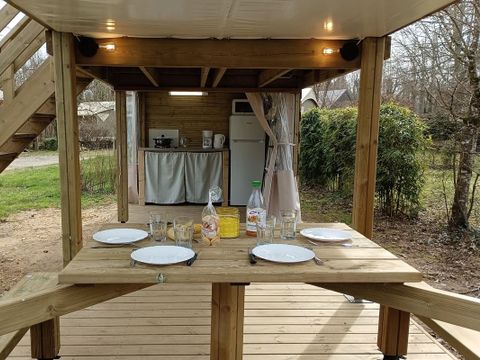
(45, 339)
(227, 321)
(393, 326)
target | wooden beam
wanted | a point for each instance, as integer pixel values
(151, 75)
(204, 76)
(68, 143)
(393, 328)
(373, 50)
(7, 82)
(217, 76)
(31, 49)
(25, 311)
(29, 284)
(318, 76)
(465, 341)
(234, 54)
(45, 339)
(121, 154)
(419, 299)
(267, 76)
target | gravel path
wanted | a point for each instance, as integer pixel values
(32, 161)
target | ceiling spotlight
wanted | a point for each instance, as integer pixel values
(107, 46)
(329, 51)
(328, 25)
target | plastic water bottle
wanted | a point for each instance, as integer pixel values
(255, 208)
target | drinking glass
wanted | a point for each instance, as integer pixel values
(183, 229)
(288, 226)
(158, 226)
(265, 230)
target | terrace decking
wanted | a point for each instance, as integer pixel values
(282, 321)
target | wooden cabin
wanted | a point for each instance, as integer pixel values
(225, 49)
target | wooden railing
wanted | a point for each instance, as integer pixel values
(16, 48)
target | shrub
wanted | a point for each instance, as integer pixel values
(48, 144)
(327, 154)
(98, 174)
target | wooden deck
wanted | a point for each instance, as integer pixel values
(282, 322)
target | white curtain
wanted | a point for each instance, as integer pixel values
(132, 145)
(280, 189)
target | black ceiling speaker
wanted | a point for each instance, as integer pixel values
(88, 47)
(349, 51)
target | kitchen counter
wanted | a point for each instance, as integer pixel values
(181, 149)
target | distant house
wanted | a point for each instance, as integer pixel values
(96, 121)
(330, 99)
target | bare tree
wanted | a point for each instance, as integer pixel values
(439, 63)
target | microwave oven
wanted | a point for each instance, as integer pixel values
(241, 106)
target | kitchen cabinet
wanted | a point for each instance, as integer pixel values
(174, 176)
(202, 171)
(164, 177)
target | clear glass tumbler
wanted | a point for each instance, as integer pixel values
(158, 226)
(266, 230)
(288, 225)
(183, 227)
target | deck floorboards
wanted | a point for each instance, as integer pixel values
(282, 322)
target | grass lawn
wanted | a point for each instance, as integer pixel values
(38, 188)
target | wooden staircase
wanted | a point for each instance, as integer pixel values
(27, 110)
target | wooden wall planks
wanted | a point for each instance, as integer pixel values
(189, 114)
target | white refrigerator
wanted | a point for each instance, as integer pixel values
(247, 156)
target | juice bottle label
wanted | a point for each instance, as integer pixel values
(253, 215)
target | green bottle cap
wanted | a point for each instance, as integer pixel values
(256, 183)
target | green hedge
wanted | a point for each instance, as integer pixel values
(327, 154)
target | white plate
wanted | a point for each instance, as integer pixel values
(325, 234)
(120, 236)
(162, 255)
(283, 253)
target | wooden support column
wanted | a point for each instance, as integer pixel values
(68, 143)
(393, 327)
(45, 339)
(373, 50)
(121, 152)
(296, 134)
(8, 84)
(227, 321)
(393, 323)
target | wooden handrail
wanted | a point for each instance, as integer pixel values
(7, 13)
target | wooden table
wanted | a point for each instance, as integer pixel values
(228, 268)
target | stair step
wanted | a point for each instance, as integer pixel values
(43, 117)
(7, 156)
(24, 136)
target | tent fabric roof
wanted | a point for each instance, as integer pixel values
(235, 19)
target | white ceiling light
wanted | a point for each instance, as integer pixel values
(187, 93)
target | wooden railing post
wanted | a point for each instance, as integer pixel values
(121, 152)
(393, 324)
(68, 143)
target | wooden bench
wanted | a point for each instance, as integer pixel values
(454, 317)
(28, 285)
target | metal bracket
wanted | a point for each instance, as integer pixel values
(161, 279)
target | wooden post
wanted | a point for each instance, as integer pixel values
(373, 50)
(227, 321)
(141, 177)
(393, 324)
(7, 81)
(68, 143)
(45, 339)
(121, 152)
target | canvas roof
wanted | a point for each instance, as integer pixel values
(235, 19)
